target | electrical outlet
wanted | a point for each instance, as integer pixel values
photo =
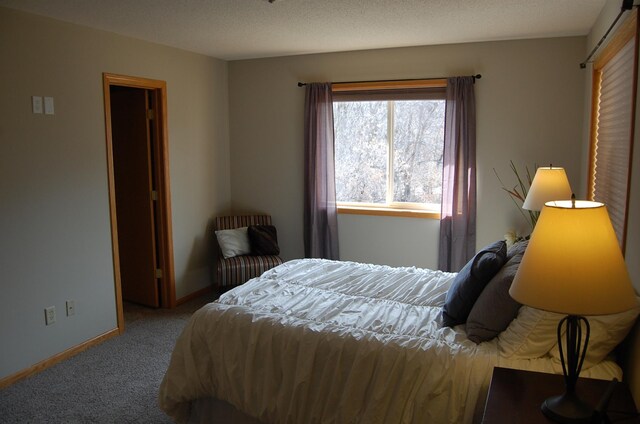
(71, 307)
(50, 315)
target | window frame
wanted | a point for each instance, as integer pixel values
(626, 32)
(397, 209)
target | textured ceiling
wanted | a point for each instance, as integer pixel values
(240, 29)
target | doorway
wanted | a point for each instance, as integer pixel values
(139, 195)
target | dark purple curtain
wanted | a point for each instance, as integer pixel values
(320, 214)
(458, 213)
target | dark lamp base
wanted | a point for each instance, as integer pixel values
(567, 409)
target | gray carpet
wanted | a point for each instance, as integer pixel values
(114, 382)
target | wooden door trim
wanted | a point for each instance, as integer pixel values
(168, 290)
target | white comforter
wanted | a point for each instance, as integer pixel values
(316, 341)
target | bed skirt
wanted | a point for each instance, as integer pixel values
(210, 410)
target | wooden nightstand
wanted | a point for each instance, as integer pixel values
(515, 396)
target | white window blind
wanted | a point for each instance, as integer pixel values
(613, 126)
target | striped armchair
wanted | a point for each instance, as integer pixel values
(234, 271)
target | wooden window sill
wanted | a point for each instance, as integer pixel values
(406, 213)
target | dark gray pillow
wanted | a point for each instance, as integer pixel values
(495, 308)
(470, 281)
(263, 240)
(517, 248)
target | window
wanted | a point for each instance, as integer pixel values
(388, 148)
(612, 119)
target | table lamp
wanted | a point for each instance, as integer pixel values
(549, 183)
(573, 265)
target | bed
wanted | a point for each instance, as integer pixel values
(319, 341)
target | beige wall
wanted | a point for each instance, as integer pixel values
(632, 254)
(529, 109)
(54, 212)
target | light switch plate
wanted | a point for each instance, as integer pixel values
(50, 315)
(48, 106)
(71, 308)
(36, 104)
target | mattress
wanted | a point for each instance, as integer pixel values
(319, 341)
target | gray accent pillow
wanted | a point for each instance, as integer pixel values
(470, 281)
(495, 308)
(517, 248)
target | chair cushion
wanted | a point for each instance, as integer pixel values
(239, 269)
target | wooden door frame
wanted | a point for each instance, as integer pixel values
(165, 238)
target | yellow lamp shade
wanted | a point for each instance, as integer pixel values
(549, 183)
(573, 263)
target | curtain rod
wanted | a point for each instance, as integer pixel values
(626, 5)
(475, 77)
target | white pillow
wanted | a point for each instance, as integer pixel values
(234, 242)
(607, 332)
(531, 334)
